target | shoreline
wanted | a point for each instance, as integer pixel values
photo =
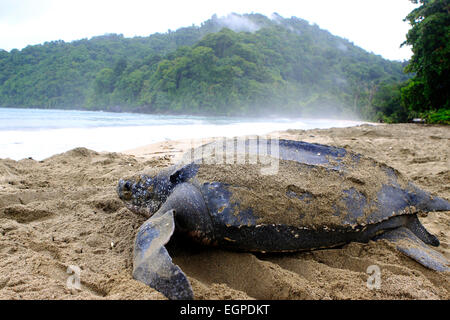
(64, 211)
(41, 136)
(200, 115)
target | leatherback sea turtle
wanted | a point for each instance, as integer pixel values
(274, 196)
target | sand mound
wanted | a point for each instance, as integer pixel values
(64, 212)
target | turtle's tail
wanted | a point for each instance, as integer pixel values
(423, 200)
(438, 204)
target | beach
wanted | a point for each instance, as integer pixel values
(63, 212)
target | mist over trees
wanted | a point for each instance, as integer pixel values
(235, 65)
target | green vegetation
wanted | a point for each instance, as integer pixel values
(427, 93)
(61, 75)
(442, 116)
(430, 41)
(237, 65)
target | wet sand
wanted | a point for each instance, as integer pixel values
(64, 211)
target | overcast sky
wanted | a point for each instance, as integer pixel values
(376, 26)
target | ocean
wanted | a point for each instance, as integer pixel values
(39, 133)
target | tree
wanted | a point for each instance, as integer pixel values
(120, 66)
(429, 37)
(388, 105)
(104, 81)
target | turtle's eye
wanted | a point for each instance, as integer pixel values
(124, 190)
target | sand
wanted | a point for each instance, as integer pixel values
(64, 211)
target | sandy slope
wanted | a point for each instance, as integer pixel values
(64, 211)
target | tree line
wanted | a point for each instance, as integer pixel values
(236, 65)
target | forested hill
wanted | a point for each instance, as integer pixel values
(234, 65)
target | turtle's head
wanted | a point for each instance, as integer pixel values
(144, 195)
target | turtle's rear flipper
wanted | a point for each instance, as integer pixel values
(419, 230)
(152, 263)
(408, 243)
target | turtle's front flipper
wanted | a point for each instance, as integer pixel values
(152, 263)
(408, 243)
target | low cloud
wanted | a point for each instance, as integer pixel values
(276, 17)
(238, 23)
(342, 46)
